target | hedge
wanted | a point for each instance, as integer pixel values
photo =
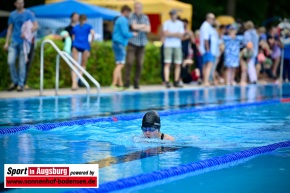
(100, 66)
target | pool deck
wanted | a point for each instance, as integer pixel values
(82, 91)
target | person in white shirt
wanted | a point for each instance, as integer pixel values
(173, 31)
(206, 33)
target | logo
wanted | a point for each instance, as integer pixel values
(51, 175)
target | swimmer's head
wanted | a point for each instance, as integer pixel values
(151, 124)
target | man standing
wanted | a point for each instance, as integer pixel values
(206, 33)
(15, 22)
(139, 22)
(252, 36)
(173, 31)
(121, 35)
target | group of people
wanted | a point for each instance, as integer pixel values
(237, 52)
(214, 54)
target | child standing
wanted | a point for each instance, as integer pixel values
(81, 44)
(246, 55)
(232, 50)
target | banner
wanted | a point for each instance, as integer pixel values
(51, 175)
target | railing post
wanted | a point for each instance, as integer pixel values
(57, 75)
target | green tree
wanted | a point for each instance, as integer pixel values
(258, 11)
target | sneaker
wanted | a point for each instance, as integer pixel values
(113, 87)
(26, 87)
(177, 84)
(20, 88)
(167, 84)
(12, 87)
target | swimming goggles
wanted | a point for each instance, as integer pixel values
(145, 129)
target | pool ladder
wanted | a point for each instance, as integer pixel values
(74, 65)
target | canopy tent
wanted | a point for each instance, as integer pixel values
(57, 15)
(157, 10)
(225, 20)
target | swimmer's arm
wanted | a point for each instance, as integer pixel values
(168, 137)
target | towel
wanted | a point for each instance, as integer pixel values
(26, 30)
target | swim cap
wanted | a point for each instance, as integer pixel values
(151, 119)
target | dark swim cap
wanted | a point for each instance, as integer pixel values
(151, 119)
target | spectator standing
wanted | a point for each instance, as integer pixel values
(216, 42)
(187, 53)
(206, 32)
(16, 19)
(74, 20)
(121, 35)
(173, 31)
(140, 23)
(275, 45)
(246, 55)
(198, 56)
(286, 65)
(252, 36)
(80, 34)
(232, 51)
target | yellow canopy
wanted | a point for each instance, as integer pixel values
(225, 20)
(160, 7)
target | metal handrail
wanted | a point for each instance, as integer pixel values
(60, 53)
(94, 81)
(73, 68)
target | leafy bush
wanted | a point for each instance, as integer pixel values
(100, 66)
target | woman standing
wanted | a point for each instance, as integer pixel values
(81, 44)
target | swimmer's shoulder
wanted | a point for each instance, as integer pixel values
(168, 137)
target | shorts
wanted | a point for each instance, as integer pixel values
(175, 52)
(80, 49)
(119, 52)
(207, 57)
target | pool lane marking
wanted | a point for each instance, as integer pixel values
(177, 171)
(137, 155)
(50, 126)
(105, 114)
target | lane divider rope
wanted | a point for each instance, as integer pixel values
(50, 126)
(146, 178)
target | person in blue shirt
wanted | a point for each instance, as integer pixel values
(80, 36)
(121, 35)
(16, 19)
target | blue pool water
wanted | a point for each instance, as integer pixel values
(120, 150)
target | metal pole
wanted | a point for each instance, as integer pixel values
(65, 59)
(97, 84)
(41, 67)
(57, 75)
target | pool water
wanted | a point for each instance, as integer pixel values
(121, 151)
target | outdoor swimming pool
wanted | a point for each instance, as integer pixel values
(205, 123)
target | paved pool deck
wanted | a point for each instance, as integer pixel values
(82, 91)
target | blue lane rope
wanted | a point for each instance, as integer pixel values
(50, 126)
(181, 169)
(9, 131)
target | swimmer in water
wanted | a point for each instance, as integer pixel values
(151, 126)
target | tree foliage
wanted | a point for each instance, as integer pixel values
(258, 11)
